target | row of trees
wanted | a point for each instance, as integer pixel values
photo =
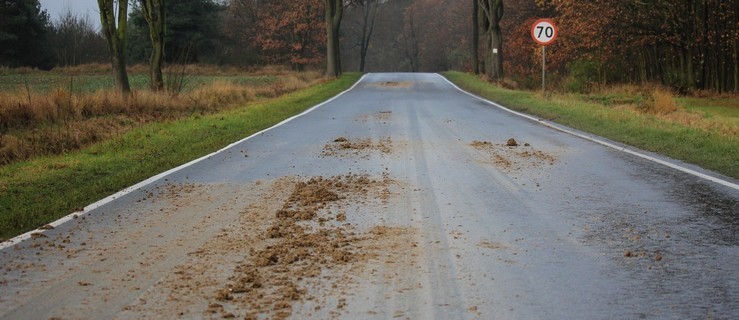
(682, 43)
(186, 31)
(687, 44)
(155, 12)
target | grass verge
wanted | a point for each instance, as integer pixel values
(712, 147)
(36, 192)
(39, 122)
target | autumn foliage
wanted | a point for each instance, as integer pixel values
(688, 45)
(679, 43)
(284, 32)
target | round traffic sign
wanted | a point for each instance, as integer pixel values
(544, 32)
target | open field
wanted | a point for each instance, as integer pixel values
(702, 131)
(36, 192)
(44, 83)
(93, 78)
(48, 113)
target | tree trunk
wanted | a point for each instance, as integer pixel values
(691, 69)
(116, 36)
(494, 13)
(155, 14)
(736, 63)
(334, 13)
(410, 40)
(475, 38)
(485, 39)
(496, 42)
(496, 39)
(736, 48)
(369, 14)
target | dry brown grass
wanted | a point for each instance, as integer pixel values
(659, 101)
(664, 106)
(714, 94)
(21, 70)
(619, 89)
(190, 69)
(91, 68)
(34, 124)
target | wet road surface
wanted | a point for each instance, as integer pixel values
(421, 211)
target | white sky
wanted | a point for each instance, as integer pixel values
(78, 7)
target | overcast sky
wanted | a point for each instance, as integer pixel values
(78, 7)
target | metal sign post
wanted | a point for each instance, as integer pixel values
(544, 32)
(543, 68)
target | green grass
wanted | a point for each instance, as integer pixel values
(723, 107)
(706, 148)
(46, 81)
(34, 193)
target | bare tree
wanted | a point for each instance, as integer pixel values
(409, 40)
(369, 14)
(115, 32)
(76, 41)
(334, 14)
(155, 14)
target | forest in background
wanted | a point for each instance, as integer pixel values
(684, 44)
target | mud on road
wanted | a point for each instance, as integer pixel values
(295, 244)
(305, 239)
(511, 157)
(402, 199)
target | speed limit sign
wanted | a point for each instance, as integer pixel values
(544, 32)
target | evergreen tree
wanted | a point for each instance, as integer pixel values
(193, 32)
(24, 30)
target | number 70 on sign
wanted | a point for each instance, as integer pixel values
(544, 32)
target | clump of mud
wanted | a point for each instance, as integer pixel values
(300, 244)
(382, 117)
(510, 156)
(343, 147)
(392, 84)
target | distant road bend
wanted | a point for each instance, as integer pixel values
(401, 198)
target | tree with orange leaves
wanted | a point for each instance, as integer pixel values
(289, 33)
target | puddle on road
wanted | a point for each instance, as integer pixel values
(716, 211)
(710, 213)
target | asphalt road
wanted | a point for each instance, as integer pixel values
(422, 211)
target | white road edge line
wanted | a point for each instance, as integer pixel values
(100, 203)
(601, 142)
